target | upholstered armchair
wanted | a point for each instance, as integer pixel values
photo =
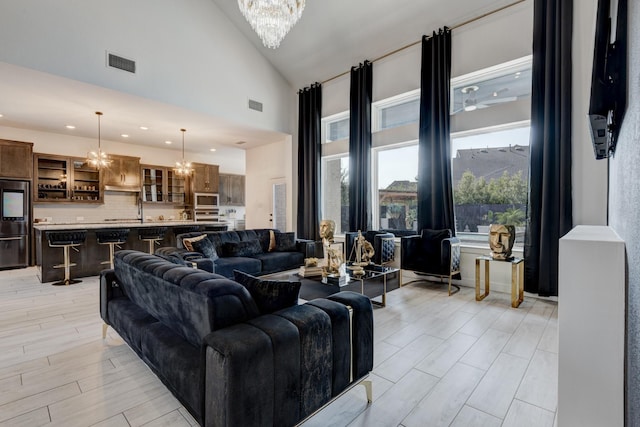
(383, 244)
(432, 253)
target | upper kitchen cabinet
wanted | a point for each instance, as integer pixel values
(123, 174)
(161, 185)
(16, 159)
(231, 190)
(205, 178)
(65, 179)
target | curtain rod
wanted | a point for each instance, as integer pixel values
(469, 21)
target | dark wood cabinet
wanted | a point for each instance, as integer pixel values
(123, 174)
(65, 179)
(231, 190)
(16, 159)
(161, 185)
(205, 178)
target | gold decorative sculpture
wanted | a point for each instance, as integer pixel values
(334, 261)
(363, 251)
(501, 239)
(327, 228)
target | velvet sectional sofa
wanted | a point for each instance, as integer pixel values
(237, 354)
(257, 252)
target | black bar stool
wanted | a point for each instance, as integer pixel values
(152, 235)
(112, 237)
(66, 240)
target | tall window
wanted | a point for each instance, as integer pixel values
(490, 179)
(396, 170)
(396, 111)
(335, 191)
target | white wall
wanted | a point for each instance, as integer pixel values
(589, 175)
(219, 68)
(268, 165)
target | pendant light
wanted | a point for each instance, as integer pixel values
(183, 168)
(98, 159)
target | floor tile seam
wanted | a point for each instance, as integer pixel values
(537, 406)
(156, 418)
(25, 413)
(466, 403)
(40, 392)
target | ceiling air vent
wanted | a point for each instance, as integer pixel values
(255, 105)
(121, 63)
(241, 142)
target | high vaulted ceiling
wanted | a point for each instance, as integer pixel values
(334, 35)
(331, 36)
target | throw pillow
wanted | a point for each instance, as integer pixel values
(187, 243)
(269, 295)
(272, 240)
(285, 242)
(243, 248)
(206, 248)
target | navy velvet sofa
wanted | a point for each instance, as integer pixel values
(257, 252)
(227, 362)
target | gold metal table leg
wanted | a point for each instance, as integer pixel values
(517, 284)
(480, 297)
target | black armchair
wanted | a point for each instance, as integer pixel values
(432, 253)
(383, 244)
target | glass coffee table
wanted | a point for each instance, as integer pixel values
(376, 281)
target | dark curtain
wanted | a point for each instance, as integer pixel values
(360, 147)
(550, 212)
(435, 186)
(309, 155)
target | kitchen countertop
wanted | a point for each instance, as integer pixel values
(47, 226)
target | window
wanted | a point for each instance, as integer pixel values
(335, 191)
(492, 86)
(396, 172)
(490, 169)
(336, 127)
(396, 111)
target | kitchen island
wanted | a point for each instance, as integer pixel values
(90, 255)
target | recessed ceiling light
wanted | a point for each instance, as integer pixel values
(124, 135)
(0, 115)
(212, 149)
(167, 142)
(70, 126)
(144, 128)
(517, 74)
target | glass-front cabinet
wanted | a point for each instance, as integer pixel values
(161, 185)
(65, 179)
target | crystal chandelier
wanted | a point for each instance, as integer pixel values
(183, 168)
(271, 19)
(98, 159)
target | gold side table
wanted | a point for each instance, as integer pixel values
(517, 279)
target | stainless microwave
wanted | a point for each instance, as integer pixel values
(205, 200)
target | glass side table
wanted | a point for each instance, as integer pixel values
(517, 278)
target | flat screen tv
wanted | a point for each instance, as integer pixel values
(608, 101)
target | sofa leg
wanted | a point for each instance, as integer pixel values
(368, 386)
(104, 330)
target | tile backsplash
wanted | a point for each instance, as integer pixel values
(117, 205)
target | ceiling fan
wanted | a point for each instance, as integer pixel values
(471, 102)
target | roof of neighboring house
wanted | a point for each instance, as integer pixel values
(491, 163)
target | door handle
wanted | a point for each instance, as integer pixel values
(10, 238)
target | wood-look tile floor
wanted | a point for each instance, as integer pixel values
(439, 361)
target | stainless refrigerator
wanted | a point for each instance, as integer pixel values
(15, 224)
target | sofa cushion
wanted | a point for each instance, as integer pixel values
(244, 248)
(273, 262)
(188, 242)
(206, 248)
(285, 242)
(225, 265)
(269, 295)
